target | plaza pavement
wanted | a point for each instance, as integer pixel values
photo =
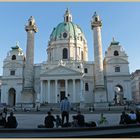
(30, 120)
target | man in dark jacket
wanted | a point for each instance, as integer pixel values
(124, 118)
(49, 120)
(80, 119)
(11, 121)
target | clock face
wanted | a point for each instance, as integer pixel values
(64, 35)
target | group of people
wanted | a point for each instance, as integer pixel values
(78, 119)
(50, 119)
(65, 106)
(132, 118)
(7, 122)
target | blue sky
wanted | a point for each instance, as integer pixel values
(121, 20)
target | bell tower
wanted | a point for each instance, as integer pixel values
(28, 89)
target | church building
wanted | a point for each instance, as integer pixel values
(67, 70)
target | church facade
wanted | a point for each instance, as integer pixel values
(67, 71)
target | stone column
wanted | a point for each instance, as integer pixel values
(66, 87)
(100, 92)
(41, 92)
(81, 91)
(96, 27)
(82, 105)
(48, 91)
(28, 93)
(29, 63)
(56, 91)
(74, 95)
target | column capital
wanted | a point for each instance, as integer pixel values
(96, 22)
(31, 26)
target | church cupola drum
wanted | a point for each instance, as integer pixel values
(67, 41)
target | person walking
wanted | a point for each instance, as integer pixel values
(65, 109)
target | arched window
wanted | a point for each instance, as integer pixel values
(116, 53)
(65, 53)
(86, 87)
(12, 97)
(30, 23)
(67, 18)
(96, 19)
(13, 57)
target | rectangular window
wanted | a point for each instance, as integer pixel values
(12, 72)
(86, 87)
(85, 70)
(117, 69)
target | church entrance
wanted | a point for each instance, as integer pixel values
(62, 95)
(12, 97)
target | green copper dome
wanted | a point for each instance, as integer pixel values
(67, 30)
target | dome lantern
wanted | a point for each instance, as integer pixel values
(67, 16)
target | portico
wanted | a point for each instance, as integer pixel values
(61, 81)
(54, 90)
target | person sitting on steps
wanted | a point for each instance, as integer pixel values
(80, 119)
(2, 121)
(103, 119)
(49, 120)
(11, 121)
(58, 121)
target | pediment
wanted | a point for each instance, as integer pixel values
(61, 70)
(117, 61)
